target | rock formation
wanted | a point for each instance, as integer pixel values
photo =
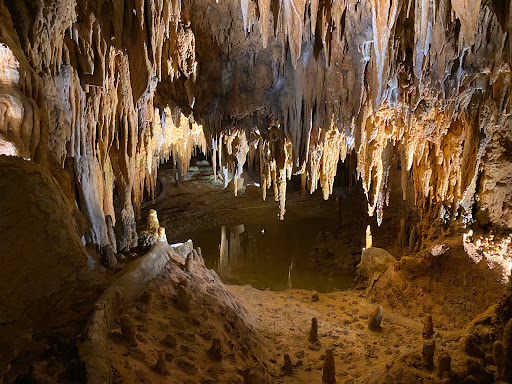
(128, 330)
(95, 95)
(375, 319)
(288, 366)
(161, 365)
(215, 350)
(313, 331)
(403, 85)
(427, 354)
(428, 328)
(444, 365)
(329, 372)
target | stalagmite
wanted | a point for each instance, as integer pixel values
(288, 366)
(161, 365)
(215, 350)
(161, 234)
(183, 298)
(375, 319)
(329, 372)
(129, 330)
(427, 353)
(369, 240)
(153, 224)
(444, 365)
(313, 332)
(428, 328)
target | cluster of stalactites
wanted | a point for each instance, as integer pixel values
(432, 116)
(175, 135)
(276, 166)
(96, 107)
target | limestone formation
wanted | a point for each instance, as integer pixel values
(413, 240)
(108, 256)
(107, 91)
(189, 262)
(369, 239)
(161, 365)
(303, 119)
(183, 298)
(375, 319)
(215, 351)
(152, 224)
(374, 262)
(288, 366)
(313, 332)
(128, 329)
(146, 240)
(402, 240)
(329, 372)
(161, 234)
(111, 233)
(444, 365)
(252, 377)
(428, 327)
(169, 341)
(427, 353)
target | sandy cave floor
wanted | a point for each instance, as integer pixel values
(256, 335)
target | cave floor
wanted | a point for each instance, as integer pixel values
(284, 320)
(257, 327)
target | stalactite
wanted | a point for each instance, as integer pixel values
(357, 81)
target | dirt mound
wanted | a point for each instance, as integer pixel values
(444, 282)
(188, 328)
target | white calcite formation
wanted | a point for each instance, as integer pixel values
(107, 91)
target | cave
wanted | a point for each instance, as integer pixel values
(256, 191)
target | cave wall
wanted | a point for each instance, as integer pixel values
(40, 250)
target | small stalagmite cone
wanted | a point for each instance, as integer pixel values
(183, 298)
(128, 329)
(428, 328)
(161, 234)
(200, 255)
(444, 363)
(161, 365)
(215, 350)
(375, 319)
(427, 353)
(288, 366)
(189, 263)
(329, 372)
(313, 332)
(152, 223)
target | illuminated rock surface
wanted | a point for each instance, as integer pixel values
(408, 102)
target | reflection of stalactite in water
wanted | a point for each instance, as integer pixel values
(290, 275)
(231, 251)
(223, 267)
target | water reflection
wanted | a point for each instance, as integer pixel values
(269, 255)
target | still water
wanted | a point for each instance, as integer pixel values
(269, 254)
